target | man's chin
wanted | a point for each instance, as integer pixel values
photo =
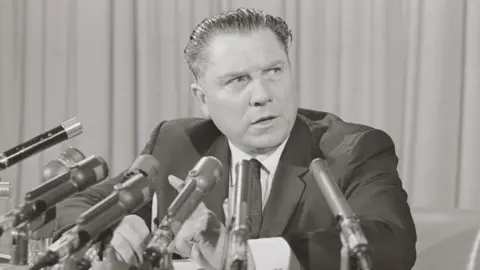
(265, 144)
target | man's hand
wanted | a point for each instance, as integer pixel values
(111, 261)
(202, 236)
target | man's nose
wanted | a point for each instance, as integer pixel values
(261, 94)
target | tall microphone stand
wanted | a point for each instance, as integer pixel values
(238, 220)
(352, 250)
(344, 254)
(95, 251)
(20, 237)
(235, 250)
(21, 254)
(159, 257)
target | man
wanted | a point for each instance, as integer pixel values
(244, 86)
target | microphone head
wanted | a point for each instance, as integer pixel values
(207, 173)
(319, 166)
(67, 159)
(147, 164)
(330, 188)
(5, 190)
(93, 165)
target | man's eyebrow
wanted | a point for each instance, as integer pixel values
(243, 73)
(232, 75)
(274, 63)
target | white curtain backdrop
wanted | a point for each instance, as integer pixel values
(409, 67)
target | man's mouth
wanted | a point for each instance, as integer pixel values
(264, 119)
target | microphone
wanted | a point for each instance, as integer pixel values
(65, 131)
(63, 163)
(126, 198)
(84, 174)
(200, 180)
(239, 225)
(348, 224)
(5, 190)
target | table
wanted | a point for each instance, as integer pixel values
(177, 264)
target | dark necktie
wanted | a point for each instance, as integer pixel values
(256, 199)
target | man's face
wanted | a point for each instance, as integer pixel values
(247, 90)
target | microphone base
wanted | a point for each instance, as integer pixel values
(158, 260)
(19, 255)
(354, 259)
(83, 264)
(238, 265)
(48, 259)
(363, 261)
(344, 257)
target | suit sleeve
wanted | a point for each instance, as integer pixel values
(70, 209)
(374, 191)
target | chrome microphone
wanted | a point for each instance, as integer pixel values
(200, 180)
(236, 250)
(65, 131)
(5, 190)
(348, 224)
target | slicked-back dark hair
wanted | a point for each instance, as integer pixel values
(240, 20)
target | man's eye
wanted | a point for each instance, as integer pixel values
(238, 79)
(275, 70)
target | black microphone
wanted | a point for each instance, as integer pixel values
(348, 224)
(126, 198)
(41, 227)
(38, 201)
(200, 180)
(65, 131)
(64, 162)
(235, 255)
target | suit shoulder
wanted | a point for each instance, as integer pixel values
(178, 127)
(332, 134)
(169, 129)
(181, 124)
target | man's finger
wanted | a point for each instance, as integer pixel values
(197, 256)
(189, 233)
(176, 182)
(111, 255)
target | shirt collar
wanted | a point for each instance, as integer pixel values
(269, 162)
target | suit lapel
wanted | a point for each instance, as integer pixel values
(289, 182)
(287, 189)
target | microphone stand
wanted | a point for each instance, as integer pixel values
(234, 255)
(360, 252)
(20, 237)
(95, 251)
(158, 256)
(344, 254)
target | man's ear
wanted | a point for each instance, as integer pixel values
(199, 93)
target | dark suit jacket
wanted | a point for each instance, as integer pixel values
(362, 160)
